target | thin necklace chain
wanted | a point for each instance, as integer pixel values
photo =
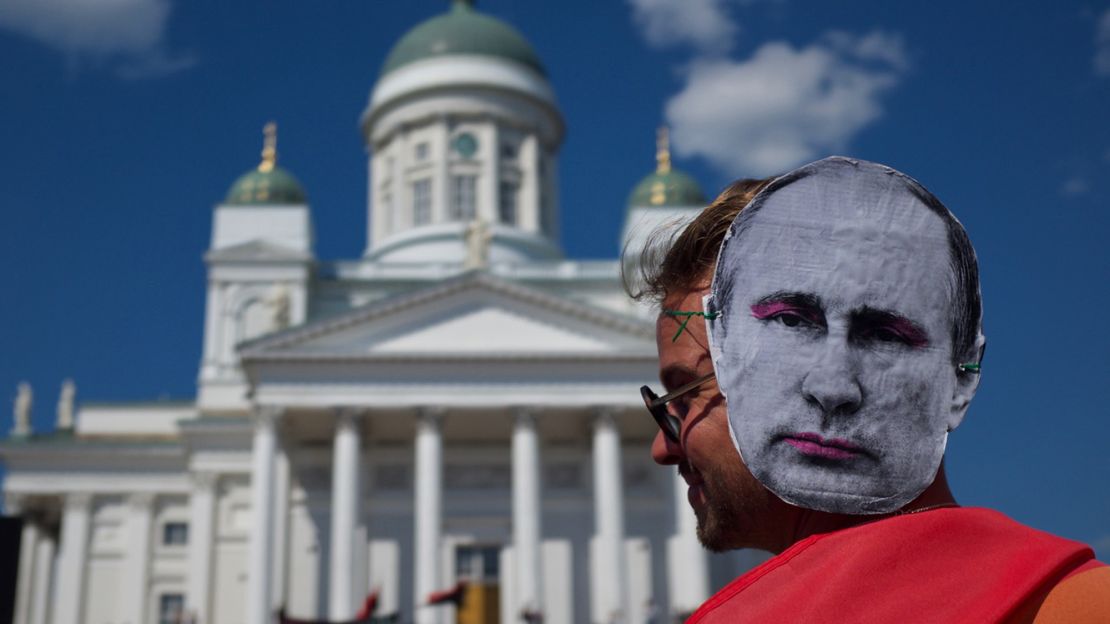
(929, 508)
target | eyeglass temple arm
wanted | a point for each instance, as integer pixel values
(683, 389)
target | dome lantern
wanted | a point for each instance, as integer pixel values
(666, 186)
(267, 183)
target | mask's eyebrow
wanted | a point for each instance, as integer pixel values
(912, 332)
(775, 302)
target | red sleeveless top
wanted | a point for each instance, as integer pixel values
(944, 565)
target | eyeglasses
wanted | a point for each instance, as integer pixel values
(669, 423)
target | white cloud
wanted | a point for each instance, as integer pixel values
(877, 46)
(127, 35)
(704, 24)
(1074, 186)
(784, 106)
(1102, 44)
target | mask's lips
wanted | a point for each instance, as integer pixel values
(814, 445)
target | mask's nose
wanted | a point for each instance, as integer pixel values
(832, 382)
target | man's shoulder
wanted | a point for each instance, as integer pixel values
(1082, 597)
(953, 564)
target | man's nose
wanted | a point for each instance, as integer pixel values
(664, 451)
(832, 382)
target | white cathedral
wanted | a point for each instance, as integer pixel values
(461, 403)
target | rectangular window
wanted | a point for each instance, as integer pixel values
(462, 197)
(421, 152)
(506, 211)
(478, 563)
(175, 534)
(422, 202)
(171, 608)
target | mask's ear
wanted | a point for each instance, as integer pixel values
(967, 382)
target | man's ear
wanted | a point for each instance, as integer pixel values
(967, 382)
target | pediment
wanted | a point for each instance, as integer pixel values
(473, 316)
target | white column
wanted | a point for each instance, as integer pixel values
(344, 516)
(439, 152)
(611, 584)
(489, 183)
(70, 596)
(44, 581)
(429, 510)
(134, 589)
(202, 508)
(687, 562)
(259, 580)
(281, 526)
(531, 184)
(527, 529)
(28, 551)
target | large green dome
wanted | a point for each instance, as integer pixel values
(462, 30)
(667, 188)
(275, 186)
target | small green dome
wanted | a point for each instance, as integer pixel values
(667, 188)
(462, 30)
(272, 186)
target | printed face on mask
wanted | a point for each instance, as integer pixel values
(834, 346)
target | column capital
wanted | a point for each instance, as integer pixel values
(140, 501)
(78, 500)
(204, 480)
(266, 415)
(605, 414)
(525, 414)
(15, 504)
(431, 415)
(346, 414)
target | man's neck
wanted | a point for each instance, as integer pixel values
(801, 523)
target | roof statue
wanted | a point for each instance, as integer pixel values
(280, 303)
(478, 238)
(65, 405)
(21, 426)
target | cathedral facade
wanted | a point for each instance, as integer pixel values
(455, 413)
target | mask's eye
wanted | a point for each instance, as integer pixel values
(789, 313)
(790, 320)
(885, 334)
(889, 329)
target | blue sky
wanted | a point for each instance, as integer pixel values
(122, 123)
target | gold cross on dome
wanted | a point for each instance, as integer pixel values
(269, 147)
(662, 150)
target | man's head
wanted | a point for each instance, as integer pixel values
(848, 296)
(726, 498)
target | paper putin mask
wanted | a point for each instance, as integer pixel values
(847, 299)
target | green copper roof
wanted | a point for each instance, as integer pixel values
(667, 188)
(276, 186)
(462, 30)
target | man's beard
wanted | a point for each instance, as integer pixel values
(722, 518)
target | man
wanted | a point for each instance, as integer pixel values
(844, 321)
